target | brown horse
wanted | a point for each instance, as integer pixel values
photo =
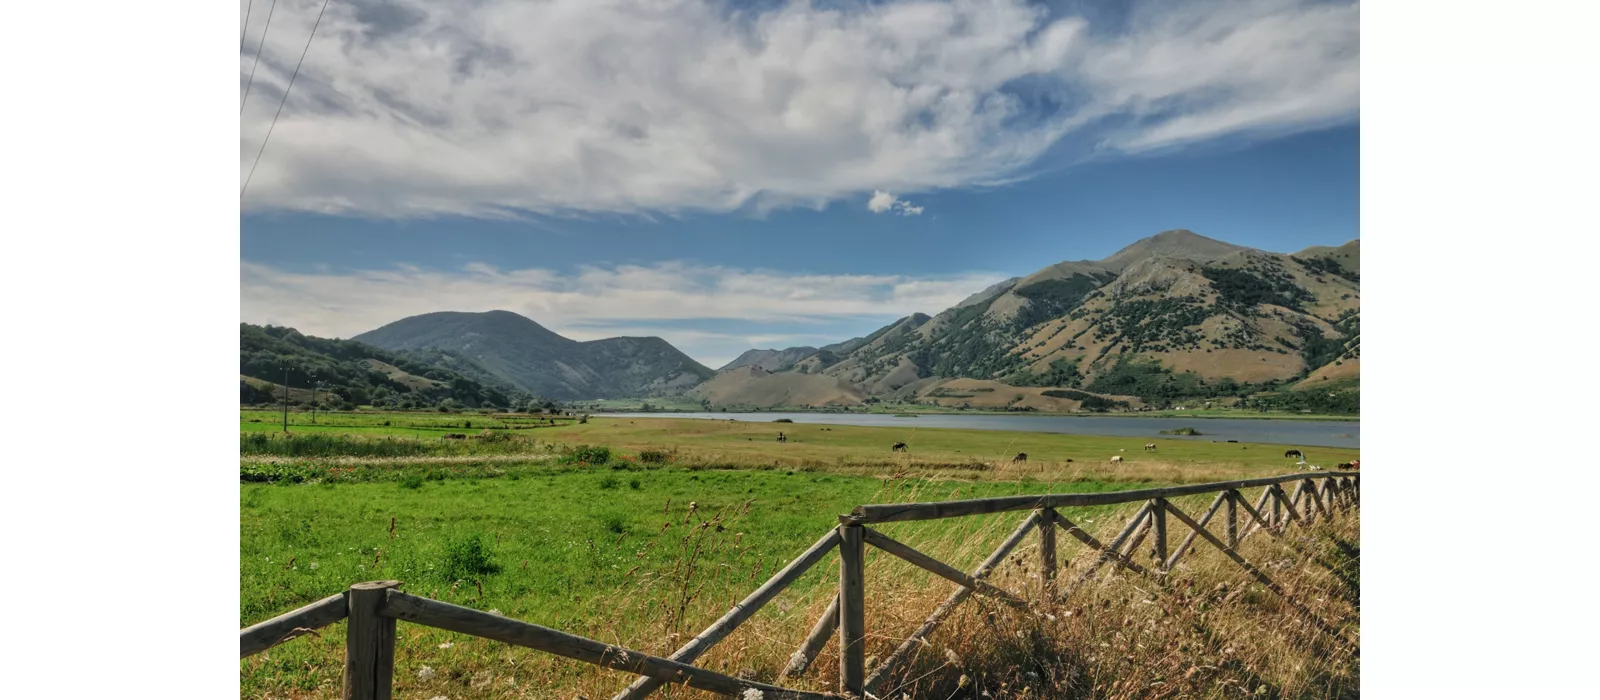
(1021, 457)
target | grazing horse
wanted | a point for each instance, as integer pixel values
(1116, 459)
(781, 438)
(1296, 454)
(1021, 457)
(898, 447)
(1149, 447)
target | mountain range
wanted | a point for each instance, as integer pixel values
(532, 358)
(1170, 317)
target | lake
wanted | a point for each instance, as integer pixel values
(1264, 430)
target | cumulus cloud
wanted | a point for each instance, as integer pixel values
(495, 107)
(600, 302)
(883, 201)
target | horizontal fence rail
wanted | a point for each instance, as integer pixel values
(894, 512)
(374, 607)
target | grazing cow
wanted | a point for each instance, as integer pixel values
(1021, 457)
(1348, 466)
(1294, 454)
(781, 438)
(1116, 459)
(1149, 447)
(898, 447)
(1069, 460)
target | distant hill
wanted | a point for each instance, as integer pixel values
(753, 386)
(770, 360)
(534, 359)
(353, 373)
(1172, 316)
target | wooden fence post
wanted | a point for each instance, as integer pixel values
(369, 644)
(1158, 513)
(852, 617)
(1233, 519)
(1277, 508)
(1047, 554)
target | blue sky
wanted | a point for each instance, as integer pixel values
(852, 167)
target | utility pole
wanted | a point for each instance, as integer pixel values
(314, 384)
(286, 399)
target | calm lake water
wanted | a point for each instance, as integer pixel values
(1264, 430)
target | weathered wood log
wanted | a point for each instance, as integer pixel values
(1288, 505)
(1233, 517)
(801, 659)
(852, 615)
(1047, 553)
(939, 568)
(369, 643)
(1315, 500)
(1277, 509)
(914, 642)
(1158, 512)
(1184, 546)
(264, 635)
(1261, 523)
(502, 629)
(740, 612)
(892, 512)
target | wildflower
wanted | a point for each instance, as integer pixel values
(964, 681)
(425, 673)
(950, 655)
(496, 611)
(313, 566)
(752, 694)
(446, 645)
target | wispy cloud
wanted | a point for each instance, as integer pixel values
(598, 302)
(489, 108)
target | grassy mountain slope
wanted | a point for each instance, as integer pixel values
(526, 355)
(353, 373)
(1170, 316)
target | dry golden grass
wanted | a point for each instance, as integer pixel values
(1208, 630)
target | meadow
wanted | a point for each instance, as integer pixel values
(641, 531)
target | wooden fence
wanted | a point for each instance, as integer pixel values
(374, 607)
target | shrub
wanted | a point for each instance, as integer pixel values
(609, 482)
(411, 482)
(654, 456)
(633, 484)
(1181, 431)
(592, 454)
(615, 525)
(783, 420)
(466, 558)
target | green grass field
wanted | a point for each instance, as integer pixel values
(618, 550)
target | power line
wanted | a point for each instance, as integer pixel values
(257, 62)
(285, 99)
(247, 8)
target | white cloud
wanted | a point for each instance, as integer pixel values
(411, 108)
(883, 201)
(600, 302)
